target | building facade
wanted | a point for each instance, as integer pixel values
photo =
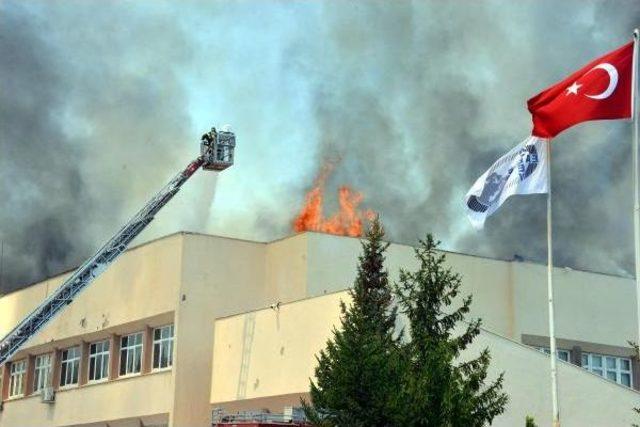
(188, 323)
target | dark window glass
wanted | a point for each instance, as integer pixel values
(156, 356)
(163, 347)
(63, 374)
(123, 362)
(131, 354)
(70, 362)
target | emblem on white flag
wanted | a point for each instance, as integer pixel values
(523, 170)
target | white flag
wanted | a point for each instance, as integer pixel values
(523, 170)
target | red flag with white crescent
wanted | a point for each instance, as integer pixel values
(600, 90)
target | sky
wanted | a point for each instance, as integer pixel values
(101, 103)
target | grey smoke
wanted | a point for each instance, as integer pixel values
(422, 97)
(92, 114)
(100, 104)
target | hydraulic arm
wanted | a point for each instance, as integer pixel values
(216, 154)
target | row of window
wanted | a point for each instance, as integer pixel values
(99, 357)
(613, 368)
(616, 369)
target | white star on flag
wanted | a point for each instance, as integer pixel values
(573, 88)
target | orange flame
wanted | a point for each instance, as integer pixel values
(348, 221)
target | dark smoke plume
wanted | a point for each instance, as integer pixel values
(100, 103)
(420, 98)
(90, 113)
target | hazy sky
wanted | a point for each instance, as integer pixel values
(102, 102)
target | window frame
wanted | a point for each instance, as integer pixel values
(70, 361)
(559, 351)
(22, 377)
(588, 366)
(159, 342)
(105, 357)
(129, 348)
(42, 371)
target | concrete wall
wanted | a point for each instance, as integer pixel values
(286, 266)
(138, 291)
(279, 357)
(142, 283)
(219, 277)
(188, 279)
(333, 261)
(16, 305)
(510, 297)
(585, 399)
(135, 396)
(193, 279)
(286, 341)
(588, 306)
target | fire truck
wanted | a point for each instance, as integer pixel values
(291, 417)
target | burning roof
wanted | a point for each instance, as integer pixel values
(347, 221)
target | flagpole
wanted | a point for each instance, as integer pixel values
(636, 197)
(552, 333)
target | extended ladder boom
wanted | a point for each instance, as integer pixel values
(94, 266)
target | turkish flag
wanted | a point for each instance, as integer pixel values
(599, 90)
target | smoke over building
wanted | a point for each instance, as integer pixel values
(102, 103)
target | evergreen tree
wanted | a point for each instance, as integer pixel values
(530, 422)
(437, 390)
(357, 373)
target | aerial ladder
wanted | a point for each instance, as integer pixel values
(216, 153)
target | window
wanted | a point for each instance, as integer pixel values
(163, 347)
(131, 354)
(613, 368)
(99, 361)
(16, 378)
(69, 366)
(41, 372)
(562, 354)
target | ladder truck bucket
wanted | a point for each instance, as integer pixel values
(217, 149)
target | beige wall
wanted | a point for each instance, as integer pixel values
(333, 261)
(585, 399)
(510, 297)
(198, 278)
(286, 341)
(16, 305)
(142, 283)
(588, 307)
(219, 277)
(136, 396)
(286, 265)
(491, 284)
(139, 290)
(332, 267)
(279, 355)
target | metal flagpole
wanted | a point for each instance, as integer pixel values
(636, 201)
(552, 333)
